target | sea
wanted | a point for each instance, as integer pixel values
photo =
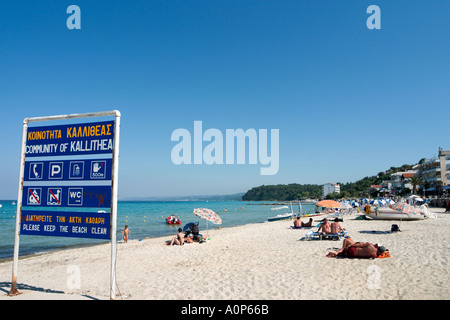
(145, 219)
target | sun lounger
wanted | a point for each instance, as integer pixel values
(313, 235)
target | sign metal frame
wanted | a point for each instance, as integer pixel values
(114, 191)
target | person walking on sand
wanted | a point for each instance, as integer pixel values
(125, 234)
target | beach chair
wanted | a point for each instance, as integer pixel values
(311, 235)
(332, 236)
(314, 235)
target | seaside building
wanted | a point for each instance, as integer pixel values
(401, 180)
(397, 181)
(436, 171)
(330, 188)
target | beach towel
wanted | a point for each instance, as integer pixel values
(385, 254)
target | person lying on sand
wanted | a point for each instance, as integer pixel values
(307, 224)
(352, 249)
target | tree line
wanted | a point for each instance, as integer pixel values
(295, 191)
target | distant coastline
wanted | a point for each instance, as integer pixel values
(223, 197)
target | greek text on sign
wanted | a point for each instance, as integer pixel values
(88, 138)
(66, 224)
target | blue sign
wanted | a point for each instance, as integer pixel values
(68, 166)
(66, 224)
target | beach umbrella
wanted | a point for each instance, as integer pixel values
(377, 202)
(346, 205)
(208, 215)
(328, 204)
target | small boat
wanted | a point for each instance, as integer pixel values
(283, 216)
(279, 208)
(382, 213)
(173, 220)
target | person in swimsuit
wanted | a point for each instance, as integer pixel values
(179, 238)
(126, 234)
(300, 224)
(336, 227)
(307, 224)
(297, 223)
(325, 227)
(352, 249)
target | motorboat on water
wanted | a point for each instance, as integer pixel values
(282, 216)
(279, 208)
(173, 220)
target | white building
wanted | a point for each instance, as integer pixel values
(400, 180)
(330, 188)
(436, 171)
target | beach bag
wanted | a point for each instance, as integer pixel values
(395, 228)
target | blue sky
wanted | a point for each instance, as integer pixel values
(349, 102)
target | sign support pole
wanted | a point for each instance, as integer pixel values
(13, 291)
(114, 179)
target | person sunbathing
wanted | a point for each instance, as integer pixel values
(336, 227)
(325, 227)
(179, 238)
(300, 224)
(307, 224)
(352, 249)
(297, 223)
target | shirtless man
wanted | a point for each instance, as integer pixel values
(297, 223)
(325, 227)
(300, 224)
(352, 249)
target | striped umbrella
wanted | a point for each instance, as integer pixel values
(208, 215)
(405, 208)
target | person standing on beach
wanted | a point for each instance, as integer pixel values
(125, 234)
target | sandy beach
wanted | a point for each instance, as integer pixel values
(258, 261)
